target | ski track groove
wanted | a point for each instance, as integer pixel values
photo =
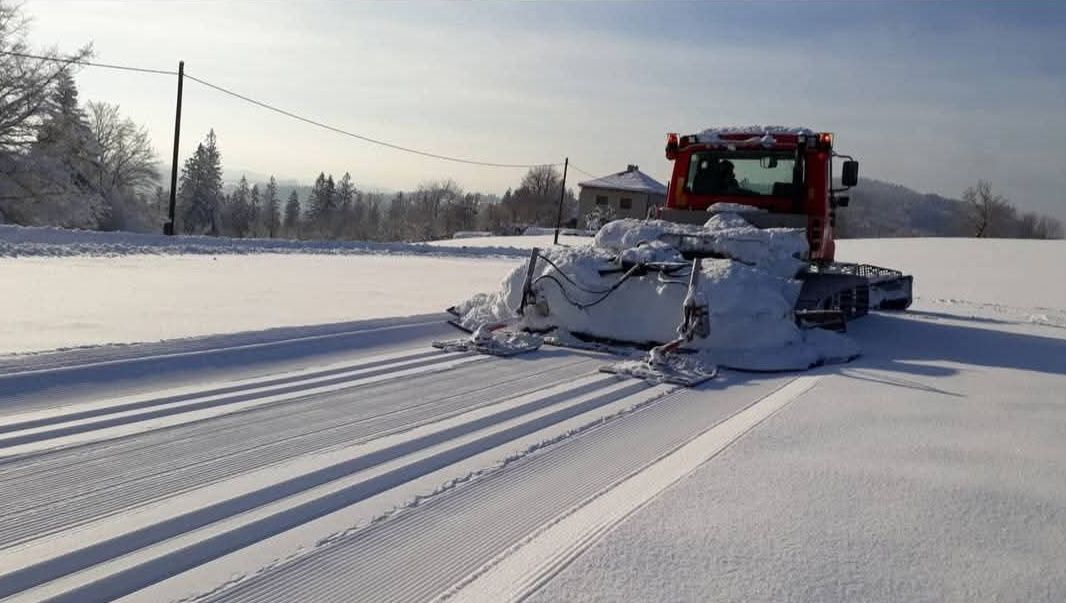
(451, 535)
(192, 461)
(261, 474)
(248, 396)
(223, 389)
(531, 414)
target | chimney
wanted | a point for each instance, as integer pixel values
(631, 168)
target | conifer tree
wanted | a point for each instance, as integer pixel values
(292, 215)
(271, 208)
(254, 210)
(200, 190)
(349, 211)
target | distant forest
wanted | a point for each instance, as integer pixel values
(84, 165)
(882, 209)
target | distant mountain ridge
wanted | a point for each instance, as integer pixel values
(884, 209)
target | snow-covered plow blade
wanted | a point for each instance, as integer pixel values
(493, 340)
(676, 369)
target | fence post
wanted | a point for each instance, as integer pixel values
(562, 195)
(168, 228)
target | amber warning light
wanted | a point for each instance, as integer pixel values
(671, 146)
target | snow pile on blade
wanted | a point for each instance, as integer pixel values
(747, 280)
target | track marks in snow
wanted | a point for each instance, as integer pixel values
(53, 491)
(113, 419)
(422, 552)
(522, 570)
(117, 554)
(359, 463)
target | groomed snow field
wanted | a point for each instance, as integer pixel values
(260, 421)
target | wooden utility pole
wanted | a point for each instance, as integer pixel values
(562, 195)
(168, 228)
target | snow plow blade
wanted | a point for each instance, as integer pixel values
(676, 370)
(493, 342)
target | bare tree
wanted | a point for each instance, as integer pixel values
(1048, 228)
(990, 214)
(534, 201)
(127, 159)
(431, 199)
(25, 81)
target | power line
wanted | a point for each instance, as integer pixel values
(581, 170)
(269, 107)
(360, 136)
(87, 63)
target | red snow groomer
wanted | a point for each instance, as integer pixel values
(785, 176)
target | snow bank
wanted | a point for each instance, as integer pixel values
(26, 241)
(749, 285)
(471, 234)
(541, 230)
(736, 208)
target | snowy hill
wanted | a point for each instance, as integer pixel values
(883, 209)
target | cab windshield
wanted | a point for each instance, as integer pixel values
(753, 174)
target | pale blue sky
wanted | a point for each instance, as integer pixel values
(929, 95)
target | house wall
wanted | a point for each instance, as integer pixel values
(613, 203)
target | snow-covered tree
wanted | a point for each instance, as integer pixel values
(237, 215)
(61, 166)
(26, 83)
(127, 160)
(200, 190)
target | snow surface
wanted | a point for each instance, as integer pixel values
(930, 469)
(62, 302)
(351, 461)
(23, 241)
(516, 245)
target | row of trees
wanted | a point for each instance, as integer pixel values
(992, 215)
(882, 209)
(336, 209)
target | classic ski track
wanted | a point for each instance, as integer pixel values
(71, 413)
(521, 571)
(51, 575)
(110, 478)
(45, 363)
(421, 554)
(111, 413)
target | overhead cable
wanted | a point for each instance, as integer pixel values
(290, 114)
(71, 61)
(360, 136)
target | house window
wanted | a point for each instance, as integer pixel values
(625, 203)
(601, 200)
